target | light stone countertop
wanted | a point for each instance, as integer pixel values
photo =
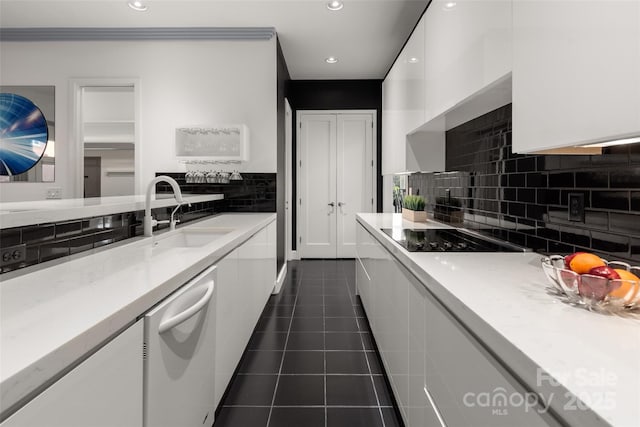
(502, 299)
(18, 214)
(53, 317)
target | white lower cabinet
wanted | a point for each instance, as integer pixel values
(440, 374)
(246, 278)
(105, 390)
(469, 387)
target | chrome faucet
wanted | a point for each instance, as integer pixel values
(149, 222)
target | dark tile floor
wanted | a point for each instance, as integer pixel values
(311, 360)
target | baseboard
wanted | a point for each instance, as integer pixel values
(280, 279)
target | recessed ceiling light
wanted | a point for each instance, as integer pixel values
(137, 5)
(449, 5)
(335, 5)
(331, 60)
(413, 60)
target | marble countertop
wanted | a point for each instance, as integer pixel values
(18, 214)
(502, 299)
(52, 317)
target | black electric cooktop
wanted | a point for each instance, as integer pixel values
(447, 240)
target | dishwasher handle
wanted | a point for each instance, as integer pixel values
(174, 321)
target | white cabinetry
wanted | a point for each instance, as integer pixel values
(468, 386)
(246, 278)
(454, 67)
(424, 349)
(104, 390)
(403, 101)
(576, 72)
(467, 47)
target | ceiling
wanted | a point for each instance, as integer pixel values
(365, 36)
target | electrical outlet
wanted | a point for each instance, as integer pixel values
(54, 193)
(13, 254)
(576, 207)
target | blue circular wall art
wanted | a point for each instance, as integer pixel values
(23, 134)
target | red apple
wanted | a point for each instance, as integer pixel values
(604, 271)
(568, 258)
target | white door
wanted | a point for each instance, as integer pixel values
(336, 180)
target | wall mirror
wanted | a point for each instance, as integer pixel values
(18, 142)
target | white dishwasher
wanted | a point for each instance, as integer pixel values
(179, 344)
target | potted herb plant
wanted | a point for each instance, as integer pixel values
(413, 208)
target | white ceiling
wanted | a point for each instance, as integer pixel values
(366, 35)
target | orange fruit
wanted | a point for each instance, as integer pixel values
(626, 286)
(583, 262)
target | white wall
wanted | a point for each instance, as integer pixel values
(182, 83)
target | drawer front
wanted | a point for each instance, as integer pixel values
(468, 386)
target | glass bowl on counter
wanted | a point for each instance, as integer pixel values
(594, 292)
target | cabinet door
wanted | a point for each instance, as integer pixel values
(467, 47)
(245, 280)
(395, 303)
(403, 101)
(229, 343)
(419, 410)
(256, 274)
(393, 137)
(364, 244)
(468, 386)
(576, 72)
(104, 390)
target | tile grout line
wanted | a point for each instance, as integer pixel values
(284, 352)
(373, 384)
(324, 353)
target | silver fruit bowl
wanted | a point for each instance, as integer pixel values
(593, 292)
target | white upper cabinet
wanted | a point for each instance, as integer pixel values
(467, 47)
(452, 57)
(403, 101)
(576, 72)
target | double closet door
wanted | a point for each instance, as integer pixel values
(336, 180)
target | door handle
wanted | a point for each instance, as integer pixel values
(341, 204)
(174, 321)
(331, 204)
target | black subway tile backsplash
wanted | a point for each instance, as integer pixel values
(67, 229)
(530, 206)
(625, 223)
(92, 224)
(563, 179)
(10, 237)
(618, 200)
(80, 244)
(54, 250)
(592, 180)
(635, 201)
(626, 179)
(45, 242)
(38, 233)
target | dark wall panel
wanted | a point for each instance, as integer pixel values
(283, 78)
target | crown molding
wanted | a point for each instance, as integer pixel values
(137, 33)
